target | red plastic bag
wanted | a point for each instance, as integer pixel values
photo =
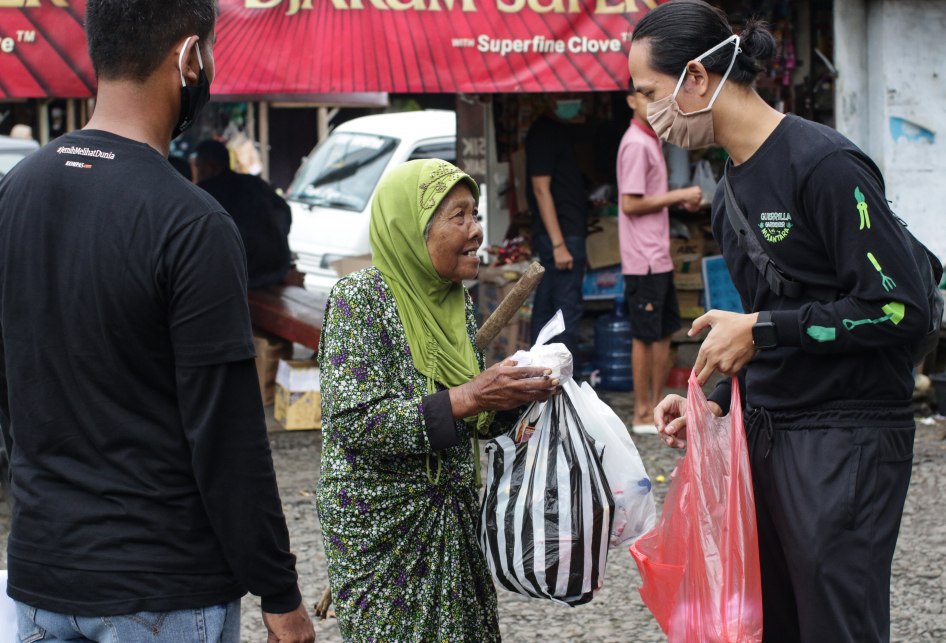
(700, 564)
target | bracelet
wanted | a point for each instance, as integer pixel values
(556, 247)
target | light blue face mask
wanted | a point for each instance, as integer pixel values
(568, 109)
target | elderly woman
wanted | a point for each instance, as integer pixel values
(402, 396)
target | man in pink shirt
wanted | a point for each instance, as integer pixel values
(644, 230)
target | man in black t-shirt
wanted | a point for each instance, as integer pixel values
(129, 401)
(559, 208)
(262, 216)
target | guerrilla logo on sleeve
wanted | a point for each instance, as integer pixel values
(775, 226)
(85, 151)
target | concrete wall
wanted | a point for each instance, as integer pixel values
(891, 101)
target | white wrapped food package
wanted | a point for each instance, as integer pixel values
(635, 512)
(552, 356)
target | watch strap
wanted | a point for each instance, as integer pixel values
(765, 317)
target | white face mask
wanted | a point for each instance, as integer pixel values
(695, 129)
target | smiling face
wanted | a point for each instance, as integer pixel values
(455, 235)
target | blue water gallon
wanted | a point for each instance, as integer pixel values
(613, 343)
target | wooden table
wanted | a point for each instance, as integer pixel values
(289, 312)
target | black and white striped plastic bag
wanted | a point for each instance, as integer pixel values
(548, 510)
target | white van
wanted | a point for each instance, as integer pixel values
(14, 150)
(331, 193)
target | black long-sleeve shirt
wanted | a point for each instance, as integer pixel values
(142, 475)
(817, 205)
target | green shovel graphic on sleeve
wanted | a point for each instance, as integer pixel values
(895, 312)
(885, 280)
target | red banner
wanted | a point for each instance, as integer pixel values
(345, 46)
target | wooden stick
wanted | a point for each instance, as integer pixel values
(509, 306)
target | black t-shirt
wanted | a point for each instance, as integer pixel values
(818, 207)
(141, 469)
(263, 219)
(549, 152)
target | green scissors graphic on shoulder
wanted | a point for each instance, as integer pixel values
(862, 207)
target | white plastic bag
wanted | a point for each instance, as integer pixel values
(553, 356)
(634, 510)
(703, 177)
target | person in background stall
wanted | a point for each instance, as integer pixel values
(262, 216)
(559, 208)
(146, 502)
(644, 231)
(827, 374)
(183, 166)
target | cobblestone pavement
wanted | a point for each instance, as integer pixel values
(617, 614)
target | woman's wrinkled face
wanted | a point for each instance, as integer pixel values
(455, 236)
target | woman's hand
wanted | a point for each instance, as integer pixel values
(670, 417)
(500, 388)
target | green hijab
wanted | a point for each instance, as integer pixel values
(432, 308)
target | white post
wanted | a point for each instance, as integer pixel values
(43, 121)
(325, 117)
(851, 102)
(70, 116)
(264, 137)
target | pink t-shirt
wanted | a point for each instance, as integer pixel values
(642, 171)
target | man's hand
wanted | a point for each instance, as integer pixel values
(294, 278)
(728, 347)
(671, 419)
(690, 207)
(690, 196)
(294, 627)
(670, 416)
(563, 258)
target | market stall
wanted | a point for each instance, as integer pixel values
(289, 62)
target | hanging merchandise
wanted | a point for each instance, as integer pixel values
(700, 564)
(703, 177)
(512, 251)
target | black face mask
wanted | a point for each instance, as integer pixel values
(193, 97)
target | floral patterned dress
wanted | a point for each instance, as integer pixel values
(403, 555)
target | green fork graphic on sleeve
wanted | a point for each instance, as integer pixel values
(885, 280)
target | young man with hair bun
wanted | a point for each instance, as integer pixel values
(827, 373)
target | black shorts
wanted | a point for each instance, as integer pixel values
(652, 304)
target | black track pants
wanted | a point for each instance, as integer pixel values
(828, 505)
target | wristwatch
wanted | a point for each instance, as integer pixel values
(764, 335)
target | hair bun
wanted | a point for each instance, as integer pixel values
(756, 41)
